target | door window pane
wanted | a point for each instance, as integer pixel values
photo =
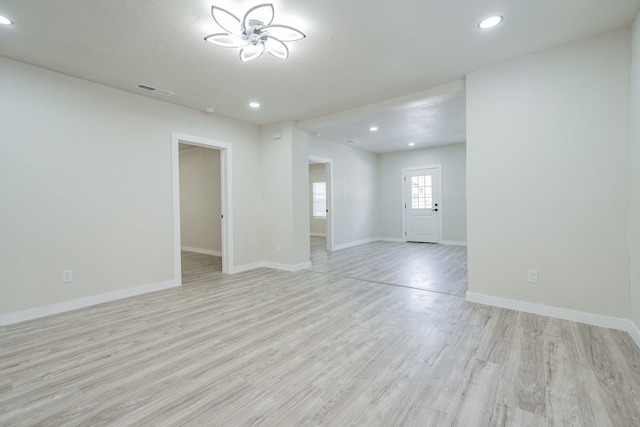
(421, 192)
(319, 199)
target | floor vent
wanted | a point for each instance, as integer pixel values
(154, 90)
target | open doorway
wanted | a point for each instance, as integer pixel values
(320, 206)
(202, 207)
(200, 212)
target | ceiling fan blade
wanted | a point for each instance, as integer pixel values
(251, 52)
(262, 12)
(227, 20)
(276, 48)
(226, 40)
(284, 33)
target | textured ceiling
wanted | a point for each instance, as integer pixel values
(425, 119)
(357, 53)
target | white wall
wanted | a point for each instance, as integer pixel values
(634, 167)
(283, 183)
(200, 200)
(85, 184)
(547, 156)
(354, 191)
(300, 165)
(317, 173)
(454, 181)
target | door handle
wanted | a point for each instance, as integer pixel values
(435, 210)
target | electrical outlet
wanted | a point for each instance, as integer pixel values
(67, 276)
(532, 276)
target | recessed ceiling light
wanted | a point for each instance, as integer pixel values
(373, 128)
(490, 22)
(411, 144)
(5, 21)
(254, 104)
(209, 109)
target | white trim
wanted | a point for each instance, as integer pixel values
(226, 177)
(390, 239)
(354, 243)
(404, 198)
(201, 251)
(401, 240)
(556, 312)
(175, 188)
(317, 234)
(48, 310)
(246, 267)
(328, 163)
(453, 243)
(634, 332)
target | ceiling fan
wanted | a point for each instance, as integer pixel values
(254, 34)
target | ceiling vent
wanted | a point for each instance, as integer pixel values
(154, 90)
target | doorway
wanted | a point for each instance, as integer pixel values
(200, 213)
(225, 205)
(321, 177)
(422, 220)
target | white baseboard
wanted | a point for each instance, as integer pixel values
(401, 240)
(634, 332)
(246, 267)
(201, 251)
(318, 235)
(453, 243)
(48, 310)
(558, 313)
(273, 265)
(354, 243)
(390, 239)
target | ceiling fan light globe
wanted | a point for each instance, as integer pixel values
(255, 39)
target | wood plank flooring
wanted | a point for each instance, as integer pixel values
(312, 348)
(197, 267)
(437, 268)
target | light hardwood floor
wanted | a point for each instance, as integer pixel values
(437, 268)
(310, 348)
(198, 267)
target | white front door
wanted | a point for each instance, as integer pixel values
(422, 205)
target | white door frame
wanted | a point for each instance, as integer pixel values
(328, 165)
(404, 198)
(226, 202)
